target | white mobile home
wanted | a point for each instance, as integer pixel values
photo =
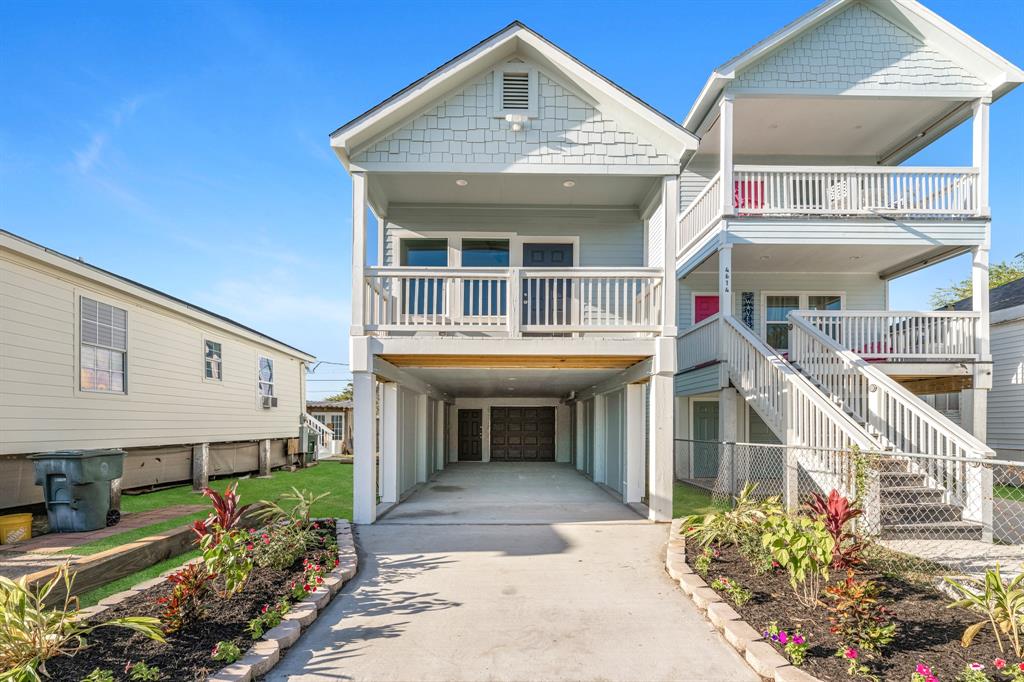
(89, 359)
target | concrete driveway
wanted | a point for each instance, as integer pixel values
(511, 572)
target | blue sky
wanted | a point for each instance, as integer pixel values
(184, 145)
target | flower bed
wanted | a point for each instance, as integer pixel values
(779, 573)
(227, 615)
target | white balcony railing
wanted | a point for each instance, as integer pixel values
(699, 345)
(701, 214)
(513, 301)
(892, 335)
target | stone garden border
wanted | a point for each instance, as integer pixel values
(264, 654)
(761, 656)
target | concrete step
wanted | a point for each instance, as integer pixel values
(948, 530)
(919, 514)
(915, 494)
(901, 479)
(891, 465)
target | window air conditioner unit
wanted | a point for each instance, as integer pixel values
(269, 401)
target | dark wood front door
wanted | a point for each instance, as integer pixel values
(470, 435)
(522, 434)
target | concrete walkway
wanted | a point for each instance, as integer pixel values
(570, 586)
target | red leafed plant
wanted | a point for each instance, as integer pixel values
(226, 512)
(186, 603)
(836, 512)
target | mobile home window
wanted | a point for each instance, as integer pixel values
(213, 361)
(266, 376)
(103, 332)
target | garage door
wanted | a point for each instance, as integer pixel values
(522, 434)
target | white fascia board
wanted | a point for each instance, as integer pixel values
(141, 292)
(652, 170)
(1006, 315)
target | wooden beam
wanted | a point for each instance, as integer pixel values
(929, 385)
(516, 361)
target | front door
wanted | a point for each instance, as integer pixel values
(705, 432)
(547, 300)
(704, 306)
(470, 435)
(522, 434)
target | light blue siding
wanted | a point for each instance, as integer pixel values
(695, 382)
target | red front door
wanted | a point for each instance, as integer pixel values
(704, 307)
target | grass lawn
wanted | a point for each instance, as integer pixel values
(330, 477)
(687, 499)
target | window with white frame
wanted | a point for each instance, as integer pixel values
(337, 424)
(103, 338)
(777, 308)
(212, 359)
(266, 376)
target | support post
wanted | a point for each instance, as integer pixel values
(660, 478)
(635, 444)
(422, 435)
(440, 407)
(670, 205)
(974, 420)
(980, 151)
(728, 431)
(725, 130)
(200, 467)
(358, 251)
(115, 494)
(791, 484)
(581, 437)
(389, 444)
(514, 310)
(725, 307)
(264, 458)
(364, 462)
(600, 444)
(979, 301)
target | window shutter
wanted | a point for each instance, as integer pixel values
(515, 91)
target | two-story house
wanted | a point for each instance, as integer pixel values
(568, 275)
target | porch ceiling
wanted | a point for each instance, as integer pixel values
(509, 189)
(510, 383)
(825, 258)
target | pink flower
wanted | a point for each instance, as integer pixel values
(798, 639)
(316, 526)
(783, 637)
(249, 546)
(319, 580)
(1020, 667)
(307, 588)
(922, 669)
(850, 653)
(999, 663)
(264, 608)
(976, 667)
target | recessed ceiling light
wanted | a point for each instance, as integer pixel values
(773, 126)
(854, 257)
(569, 184)
(462, 182)
(857, 127)
(764, 257)
(512, 379)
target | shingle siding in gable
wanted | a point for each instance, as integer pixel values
(858, 49)
(463, 129)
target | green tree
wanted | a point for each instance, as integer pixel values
(344, 395)
(998, 274)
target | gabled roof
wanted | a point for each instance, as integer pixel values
(1000, 75)
(1001, 297)
(516, 38)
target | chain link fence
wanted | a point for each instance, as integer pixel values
(936, 514)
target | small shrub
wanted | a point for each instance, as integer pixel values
(298, 511)
(803, 547)
(226, 652)
(836, 513)
(702, 564)
(280, 546)
(98, 675)
(1014, 673)
(854, 666)
(1001, 602)
(972, 672)
(270, 617)
(756, 554)
(794, 644)
(738, 594)
(313, 573)
(226, 555)
(227, 514)
(31, 632)
(728, 527)
(858, 618)
(187, 601)
(140, 672)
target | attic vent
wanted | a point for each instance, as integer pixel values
(515, 91)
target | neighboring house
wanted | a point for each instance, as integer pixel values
(90, 359)
(569, 275)
(337, 415)
(1006, 399)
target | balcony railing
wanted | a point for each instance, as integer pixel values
(513, 301)
(895, 335)
(699, 344)
(833, 191)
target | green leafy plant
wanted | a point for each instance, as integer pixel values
(313, 572)
(803, 548)
(226, 652)
(702, 564)
(280, 546)
(32, 632)
(972, 672)
(737, 594)
(140, 672)
(836, 512)
(858, 617)
(728, 527)
(855, 667)
(98, 675)
(187, 601)
(755, 553)
(227, 513)
(299, 505)
(226, 554)
(1000, 601)
(270, 617)
(793, 643)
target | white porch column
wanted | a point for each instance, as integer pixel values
(389, 443)
(728, 431)
(600, 441)
(979, 149)
(358, 251)
(364, 466)
(422, 435)
(979, 300)
(439, 419)
(725, 306)
(636, 465)
(669, 204)
(660, 478)
(725, 128)
(581, 437)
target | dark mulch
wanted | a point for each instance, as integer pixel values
(186, 654)
(927, 632)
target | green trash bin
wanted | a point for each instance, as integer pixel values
(76, 486)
